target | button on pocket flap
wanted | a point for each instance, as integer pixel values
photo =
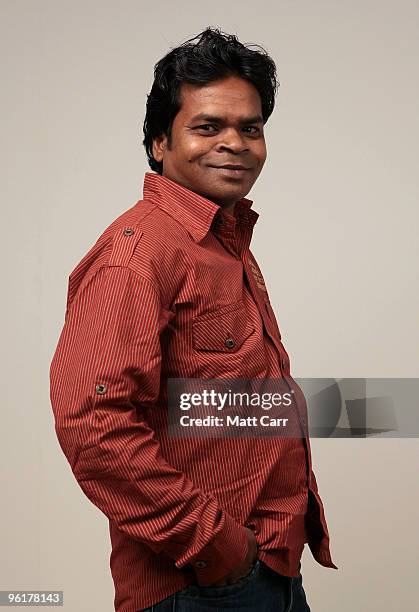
(224, 329)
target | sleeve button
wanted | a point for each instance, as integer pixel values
(229, 343)
(128, 231)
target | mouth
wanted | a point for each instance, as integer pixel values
(231, 169)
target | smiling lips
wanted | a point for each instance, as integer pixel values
(232, 169)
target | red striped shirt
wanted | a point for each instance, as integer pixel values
(149, 301)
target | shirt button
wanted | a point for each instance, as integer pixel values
(253, 527)
(101, 389)
(229, 343)
(201, 564)
(128, 231)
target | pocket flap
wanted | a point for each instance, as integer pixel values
(224, 329)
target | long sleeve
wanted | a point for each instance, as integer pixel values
(106, 366)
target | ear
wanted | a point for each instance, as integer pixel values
(159, 144)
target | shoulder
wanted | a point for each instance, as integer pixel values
(143, 238)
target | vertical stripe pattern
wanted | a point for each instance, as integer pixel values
(154, 298)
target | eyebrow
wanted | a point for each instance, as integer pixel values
(215, 119)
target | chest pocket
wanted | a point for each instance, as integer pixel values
(224, 329)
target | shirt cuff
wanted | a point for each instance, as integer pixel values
(224, 553)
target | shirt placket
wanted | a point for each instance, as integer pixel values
(271, 331)
(238, 245)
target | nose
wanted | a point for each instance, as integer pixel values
(231, 140)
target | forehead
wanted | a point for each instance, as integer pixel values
(230, 96)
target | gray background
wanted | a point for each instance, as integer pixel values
(336, 241)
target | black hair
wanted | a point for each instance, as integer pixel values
(209, 56)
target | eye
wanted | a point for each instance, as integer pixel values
(252, 127)
(205, 127)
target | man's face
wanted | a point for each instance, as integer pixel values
(218, 124)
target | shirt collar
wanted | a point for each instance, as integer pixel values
(195, 212)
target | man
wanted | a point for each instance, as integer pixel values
(171, 290)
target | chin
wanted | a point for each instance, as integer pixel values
(225, 192)
(224, 198)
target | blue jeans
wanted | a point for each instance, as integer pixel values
(262, 590)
